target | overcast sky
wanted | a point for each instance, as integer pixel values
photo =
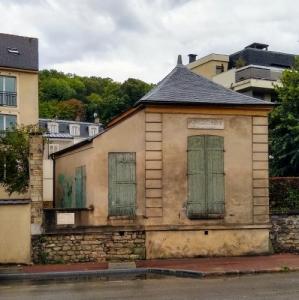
(142, 38)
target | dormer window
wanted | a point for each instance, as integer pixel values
(74, 129)
(53, 127)
(93, 130)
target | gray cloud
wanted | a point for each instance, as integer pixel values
(141, 38)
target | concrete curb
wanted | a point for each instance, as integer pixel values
(128, 273)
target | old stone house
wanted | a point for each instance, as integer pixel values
(188, 165)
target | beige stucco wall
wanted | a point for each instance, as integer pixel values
(167, 244)
(15, 233)
(208, 69)
(27, 97)
(26, 110)
(159, 135)
(237, 135)
(127, 136)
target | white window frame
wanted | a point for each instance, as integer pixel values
(53, 127)
(75, 129)
(93, 130)
(53, 148)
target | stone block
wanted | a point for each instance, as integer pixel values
(153, 202)
(260, 138)
(260, 200)
(153, 155)
(153, 127)
(262, 192)
(260, 183)
(153, 193)
(153, 117)
(153, 183)
(153, 136)
(260, 147)
(261, 210)
(153, 146)
(260, 129)
(153, 165)
(260, 156)
(260, 174)
(260, 165)
(154, 212)
(261, 219)
(260, 120)
(153, 174)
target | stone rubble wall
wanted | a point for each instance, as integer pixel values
(284, 233)
(88, 247)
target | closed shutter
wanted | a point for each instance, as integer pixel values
(215, 175)
(196, 177)
(122, 184)
(205, 177)
(80, 184)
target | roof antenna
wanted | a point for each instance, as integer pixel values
(180, 60)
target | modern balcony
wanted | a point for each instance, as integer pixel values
(8, 98)
(253, 72)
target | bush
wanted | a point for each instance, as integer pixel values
(284, 194)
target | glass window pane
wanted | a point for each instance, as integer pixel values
(10, 84)
(11, 121)
(1, 83)
(1, 122)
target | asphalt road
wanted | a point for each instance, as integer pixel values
(268, 286)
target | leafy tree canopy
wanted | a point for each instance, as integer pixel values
(284, 126)
(103, 96)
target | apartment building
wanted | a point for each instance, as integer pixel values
(19, 106)
(253, 71)
(18, 85)
(58, 135)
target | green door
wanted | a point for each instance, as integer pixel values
(122, 184)
(205, 176)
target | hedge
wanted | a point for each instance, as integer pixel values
(284, 194)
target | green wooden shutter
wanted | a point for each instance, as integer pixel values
(214, 149)
(205, 177)
(122, 184)
(196, 177)
(80, 184)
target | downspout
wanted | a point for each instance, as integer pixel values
(54, 182)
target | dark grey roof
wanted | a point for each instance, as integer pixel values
(18, 52)
(64, 128)
(182, 86)
(260, 57)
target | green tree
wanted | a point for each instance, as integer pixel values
(14, 159)
(284, 126)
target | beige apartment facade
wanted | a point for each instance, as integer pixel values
(253, 71)
(188, 166)
(18, 106)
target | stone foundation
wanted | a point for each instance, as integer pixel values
(285, 233)
(88, 247)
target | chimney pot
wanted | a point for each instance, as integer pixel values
(192, 58)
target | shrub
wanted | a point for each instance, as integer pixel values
(284, 194)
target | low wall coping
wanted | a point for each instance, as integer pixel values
(15, 202)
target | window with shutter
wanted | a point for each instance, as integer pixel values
(80, 187)
(122, 184)
(205, 177)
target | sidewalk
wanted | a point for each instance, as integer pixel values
(195, 267)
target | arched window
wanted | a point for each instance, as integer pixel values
(205, 177)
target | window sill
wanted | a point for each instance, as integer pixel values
(121, 218)
(206, 217)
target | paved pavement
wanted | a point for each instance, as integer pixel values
(212, 265)
(263, 286)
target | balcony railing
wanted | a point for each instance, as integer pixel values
(257, 73)
(8, 98)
